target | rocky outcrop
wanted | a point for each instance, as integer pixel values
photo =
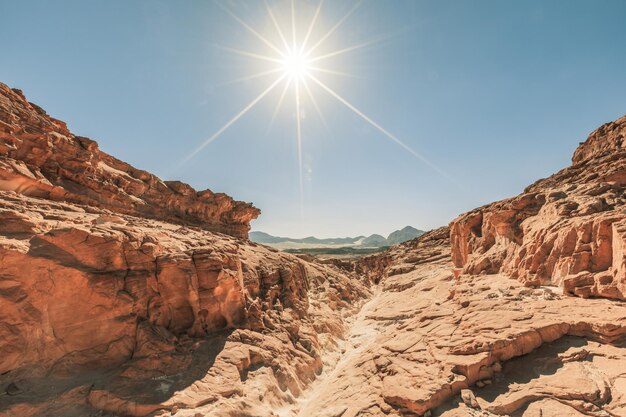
(606, 140)
(405, 257)
(40, 157)
(567, 230)
(147, 303)
(117, 297)
(462, 338)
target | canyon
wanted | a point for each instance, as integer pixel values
(125, 295)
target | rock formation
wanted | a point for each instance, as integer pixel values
(567, 230)
(427, 343)
(120, 295)
(40, 157)
(117, 296)
(87, 289)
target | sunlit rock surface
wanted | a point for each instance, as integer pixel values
(159, 314)
(567, 230)
(40, 157)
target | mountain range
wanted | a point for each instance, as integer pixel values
(372, 241)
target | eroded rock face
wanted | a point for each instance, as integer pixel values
(170, 315)
(567, 230)
(118, 297)
(40, 157)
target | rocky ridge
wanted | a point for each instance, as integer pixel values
(487, 322)
(119, 296)
(159, 315)
(40, 157)
(567, 230)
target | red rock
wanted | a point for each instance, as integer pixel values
(40, 157)
(111, 277)
(561, 229)
(110, 310)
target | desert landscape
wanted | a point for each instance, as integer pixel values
(126, 294)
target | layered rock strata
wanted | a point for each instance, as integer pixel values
(165, 315)
(40, 157)
(110, 310)
(567, 230)
(118, 297)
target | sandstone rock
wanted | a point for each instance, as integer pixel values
(113, 308)
(118, 297)
(430, 336)
(40, 157)
(469, 399)
(567, 230)
(136, 299)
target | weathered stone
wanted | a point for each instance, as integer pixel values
(113, 308)
(567, 230)
(40, 157)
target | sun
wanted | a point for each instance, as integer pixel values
(295, 64)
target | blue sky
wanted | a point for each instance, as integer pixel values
(495, 93)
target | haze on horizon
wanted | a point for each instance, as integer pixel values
(495, 93)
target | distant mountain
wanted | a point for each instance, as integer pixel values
(375, 240)
(331, 241)
(403, 235)
(262, 237)
(372, 241)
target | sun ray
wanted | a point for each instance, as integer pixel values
(308, 33)
(317, 108)
(293, 24)
(231, 121)
(280, 102)
(250, 77)
(278, 29)
(333, 72)
(299, 138)
(330, 32)
(295, 62)
(373, 41)
(382, 129)
(344, 50)
(251, 30)
(249, 54)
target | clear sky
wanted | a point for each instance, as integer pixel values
(496, 94)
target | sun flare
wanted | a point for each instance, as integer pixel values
(299, 66)
(295, 65)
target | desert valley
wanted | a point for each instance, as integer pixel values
(124, 295)
(312, 208)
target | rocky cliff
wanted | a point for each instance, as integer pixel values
(567, 230)
(157, 314)
(118, 297)
(40, 157)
